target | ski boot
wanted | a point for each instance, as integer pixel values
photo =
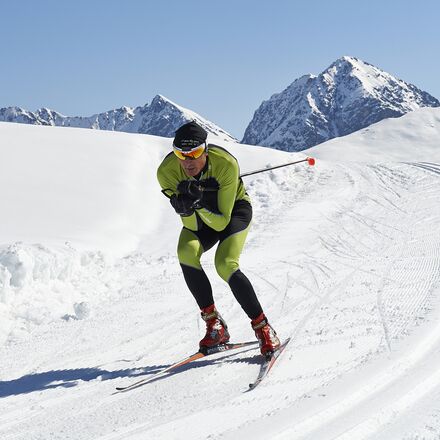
(216, 328)
(266, 335)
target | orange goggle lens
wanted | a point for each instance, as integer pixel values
(195, 153)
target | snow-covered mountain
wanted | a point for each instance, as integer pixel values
(348, 96)
(161, 118)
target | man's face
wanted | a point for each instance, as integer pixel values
(192, 167)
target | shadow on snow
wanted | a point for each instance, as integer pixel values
(71, 378)
(67, 379)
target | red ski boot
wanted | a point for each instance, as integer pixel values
(216, 328)
(265, 334)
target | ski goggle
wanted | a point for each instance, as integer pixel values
(193, 153)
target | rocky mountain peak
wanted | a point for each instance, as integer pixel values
(347, 96)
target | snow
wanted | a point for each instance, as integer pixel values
(345, 258)
(412, 137)
(91, 192)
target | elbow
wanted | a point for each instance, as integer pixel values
(218, 225)
(215, 221)
(218, 228)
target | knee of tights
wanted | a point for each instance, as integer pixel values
(226, 268)
(188, 255)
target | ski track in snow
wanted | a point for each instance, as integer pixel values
(345, 259)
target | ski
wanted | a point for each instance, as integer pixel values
(267, 365)
(198, 355)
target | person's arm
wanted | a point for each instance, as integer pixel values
(169, 189)
(227, 193)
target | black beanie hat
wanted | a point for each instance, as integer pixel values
(189, 136)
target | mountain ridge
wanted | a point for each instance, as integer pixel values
(161, 117)
(346, 97)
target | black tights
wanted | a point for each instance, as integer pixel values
(195, 277)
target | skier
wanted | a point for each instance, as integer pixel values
(204, 187)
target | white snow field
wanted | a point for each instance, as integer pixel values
(345, 258)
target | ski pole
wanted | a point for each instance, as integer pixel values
(309, 160)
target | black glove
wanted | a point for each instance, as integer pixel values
(191, 188)
(197, 188)
(209, 184)
(202, 192)
(182, 204)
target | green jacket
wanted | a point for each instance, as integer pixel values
(225, 169)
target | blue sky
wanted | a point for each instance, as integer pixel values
(218, 58)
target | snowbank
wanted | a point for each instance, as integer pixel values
(39, 285)
(412, 137)
(94, 189)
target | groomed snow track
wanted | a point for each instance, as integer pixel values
(346, 260)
